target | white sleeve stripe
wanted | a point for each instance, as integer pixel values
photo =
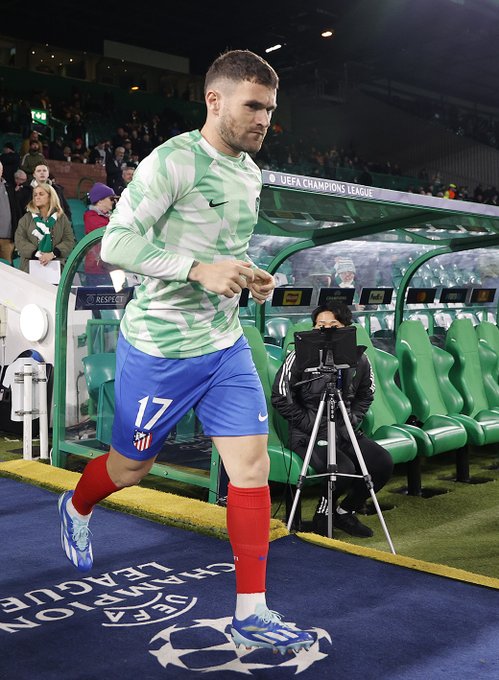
(286, 372)
(372, 386)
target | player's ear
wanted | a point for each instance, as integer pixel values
(212, 99)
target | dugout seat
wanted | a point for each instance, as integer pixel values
(423, 370)
(480, 431)
(385, 420)
(276, 328)
(488, 333)
(472, 374)
(99, 371)
(102, 335)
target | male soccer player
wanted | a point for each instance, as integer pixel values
(184, 223)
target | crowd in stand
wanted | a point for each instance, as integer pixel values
(25, 167)
(134, 139)
(463, 122)
(285, 153)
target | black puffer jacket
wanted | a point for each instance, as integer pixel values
(357, 387)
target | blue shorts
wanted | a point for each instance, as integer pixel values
(153, 393)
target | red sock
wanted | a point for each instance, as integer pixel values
(248, 525)
(95, 484)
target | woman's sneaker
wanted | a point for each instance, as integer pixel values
(75, 536)
(264, 628)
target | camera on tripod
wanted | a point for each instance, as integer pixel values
(326, 350)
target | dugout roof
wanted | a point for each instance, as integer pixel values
(326, 210)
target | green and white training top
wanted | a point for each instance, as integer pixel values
(187, 201)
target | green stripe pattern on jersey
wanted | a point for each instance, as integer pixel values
(186, 202)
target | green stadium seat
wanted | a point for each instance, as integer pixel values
(78, 207)
(98, 368)
(388, 413)
(473, 375)
(99, 371)
(488, 333)
(423, 370)
(275, 352)
(426, 318)
(276, 327)
(102, 335)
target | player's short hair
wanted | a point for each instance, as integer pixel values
(240, 65)
(340, 310)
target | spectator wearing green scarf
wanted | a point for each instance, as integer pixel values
(44, 232)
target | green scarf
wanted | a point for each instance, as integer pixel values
(43, 232)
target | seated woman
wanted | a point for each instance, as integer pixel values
(299, 405)
(44, 233)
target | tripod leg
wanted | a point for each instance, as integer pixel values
(332, 466)
(289, 504)
(365, 471)
(306, 461)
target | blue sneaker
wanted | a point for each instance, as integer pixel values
(75, 536)
(264, 628)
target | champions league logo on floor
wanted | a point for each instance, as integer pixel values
(147, 594)
(206, 646)
(132, 596)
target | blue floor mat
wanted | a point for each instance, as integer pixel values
(158, 604)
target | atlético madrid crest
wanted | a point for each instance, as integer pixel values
(142, 440)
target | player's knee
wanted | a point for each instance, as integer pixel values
(256, 470)
(126, 471)
(129, 477)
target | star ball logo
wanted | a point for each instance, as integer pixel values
(153, 594)
(206, 646)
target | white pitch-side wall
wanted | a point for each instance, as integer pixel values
(18, 289)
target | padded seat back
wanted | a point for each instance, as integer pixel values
(424, 373)
(98, 369)
(276, 327)
(489, 333)
(390, 405)
(474, 367)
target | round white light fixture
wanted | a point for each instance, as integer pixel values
(34, 323)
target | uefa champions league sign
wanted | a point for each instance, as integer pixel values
(151, 596)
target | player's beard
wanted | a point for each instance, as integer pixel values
(239, 140)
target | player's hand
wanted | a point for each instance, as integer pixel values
(262, 285)
(227, 278)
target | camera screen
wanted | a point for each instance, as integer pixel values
(331, 347)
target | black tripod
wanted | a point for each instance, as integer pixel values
(332, 397)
